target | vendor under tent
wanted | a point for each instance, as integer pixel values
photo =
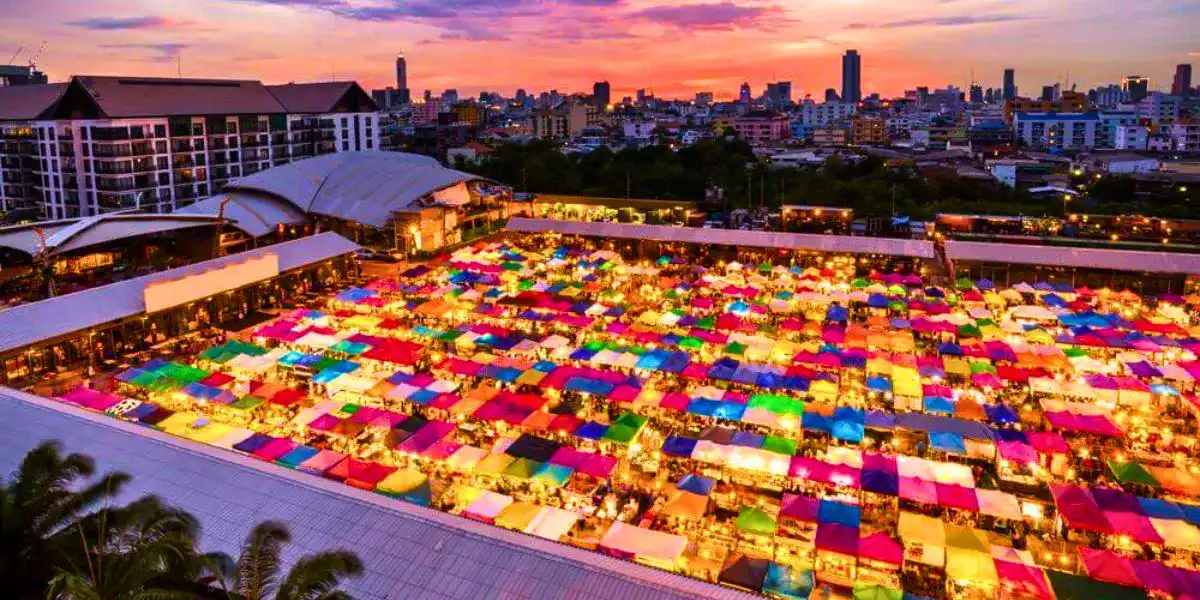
(1075, 587)
(787, 583)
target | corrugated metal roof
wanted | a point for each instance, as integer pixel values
(73, 234)
(30, 323)
(121, 97)
(23, 238)
(1083, 258)
(761, 239)
(410, 552)
(365, 187)
(255, 213)
(26, 102)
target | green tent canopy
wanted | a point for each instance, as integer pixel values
(753, 520)
(735, 348)
(963, 283)
(523, 468)
(779, 445)
(1131, 472)
(873, 591)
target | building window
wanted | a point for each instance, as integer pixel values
(160, 131)
(83, 133)
(345, 146)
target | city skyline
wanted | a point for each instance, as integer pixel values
(673, 49)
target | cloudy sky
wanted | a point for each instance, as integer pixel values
(674, 47)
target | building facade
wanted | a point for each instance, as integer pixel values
(104, 144)
(761, 128)
(1185, 135)
(1056, 131)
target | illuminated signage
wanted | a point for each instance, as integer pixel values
(170, 293)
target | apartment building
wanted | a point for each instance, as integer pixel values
(826, 113)
(1061, 131)
(100, 144)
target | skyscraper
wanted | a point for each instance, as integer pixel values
(851, 77)
(831, 95)
(602, 95)
(1010, 85)
(1182, 85)
(784, 90)
(744, 94)
(976, 94)
(404, 96)
(1136, 86)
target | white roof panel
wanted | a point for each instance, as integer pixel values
(1085, 258)
(762, 239)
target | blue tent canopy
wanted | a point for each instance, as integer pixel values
(703, 406)
(1000, 413)
(788, 583)
(934, 423)
(849, 431)
(948, 442)
(877, 301)
(879, 419)
(837, 314)
(1011, 435)
(679, 446)
(832, 511)
(592, 430)
(1161, 509)
(879, 384)
(696, 484)
(748, 439)
(951, 349)
(730, 410)
(938, 405)
(881, 482)
(816, 422)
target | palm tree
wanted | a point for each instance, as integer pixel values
(256, 574)
(39, 504)
(143, 551)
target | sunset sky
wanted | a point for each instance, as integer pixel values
(674, 47)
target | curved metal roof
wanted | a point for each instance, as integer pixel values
(255, 213)
(74, 234)
(365, 187)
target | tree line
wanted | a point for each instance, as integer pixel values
(869, 186)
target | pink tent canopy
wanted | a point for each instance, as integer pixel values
(1079, 509)
(956, 496)
(1018, 453)
(878, 546)
(89, 398)
(1108, 566)
(800, 507)
(1048, 442)
(1022, 580)
(833, 537)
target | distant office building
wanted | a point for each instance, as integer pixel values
(831, 95)
(1159, 109)
(779, 94)
(1048, 93)
(1137, 87)
(852, 76)
(1110, 121)
(745, 96)
(1131, 137)
(1109, 95)
(976, 96)
(602, 95)
(101, 144)
(18, 75)
(826, 113)
(450, 96)
(704, 98)
(403, 95)
(521, 96)
(1182, 84)
(1010, 85)
(1185, 135)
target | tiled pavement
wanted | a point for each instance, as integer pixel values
(410, 552)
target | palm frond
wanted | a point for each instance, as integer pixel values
(259, 564)
(315, 575)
